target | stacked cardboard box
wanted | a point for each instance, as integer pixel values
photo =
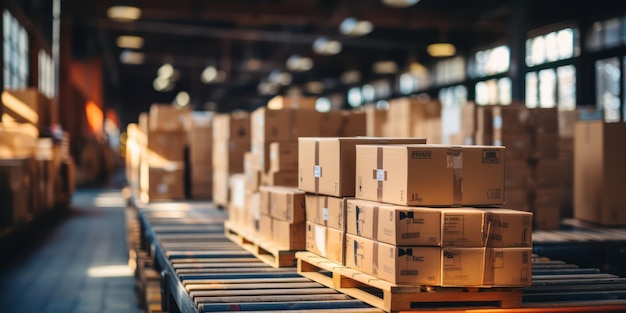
(376, 121)
(600, 172)
(231, 140)
(162, 159)
(410, 117)
(282, 217)
(200, 144)
(444, 241)
(326, 172)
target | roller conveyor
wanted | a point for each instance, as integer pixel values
(202, 271)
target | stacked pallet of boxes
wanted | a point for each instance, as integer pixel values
(326, 170)
(411, 117)
(162, 170)
(200, 145)
(231, 140)
(600, 172)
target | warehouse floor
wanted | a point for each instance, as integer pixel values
(78, 263)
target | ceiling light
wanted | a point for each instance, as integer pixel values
(124, 13)
(209, 75)
(297, 63)
(162, 84)
(132, 57)
(353, 27)
(400, 3)
(129, 42)
(314, 87)
(254, 64)
(323, 104)
(166, 71)
(385, 67)
(441, 49)
(351, 77)
(267, 88)
(182, 99)
(324, 46)
(278, 77)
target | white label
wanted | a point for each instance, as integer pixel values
(325, 214)
(162, 188)
(317, 171)
(320, 239)
(380, 175)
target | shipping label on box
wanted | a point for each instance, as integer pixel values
(326, 210)
(394, 224)
(325, 241)
(430, 175)
(289, 236)
(287, 204)
(327, 165)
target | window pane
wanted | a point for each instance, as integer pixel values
(492, 91)
(354, 97)
(498, 60)
(594, 38)
(611, 33)
(607, 88)
(552, 50)
(547, 88)
(538, 50)
(482, 93)
(565, 40)
(531, 90)
(567, 87)
(504, 90)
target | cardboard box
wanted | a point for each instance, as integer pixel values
(326, 210)
(201, 190)
(265, 227)
(283, 156)
(547, 217)
(265, 192)
(547, 173)
(221, 193)
(252, 209)
(518, 146)
(508, 228)
(354, 124)
(232, 127)
(332, 122)
(544, 120)
(430, 175)
(375, 121)
(517, 199)
(282, 178)
(567, 122)
(292, 102)
(517, 175)
(468, 119)
(284, 125)
(327, 165)
(436, 266)
(164, 183)
(252, 170)
(546, 146)
(200, 138)
(237, 197)
(14, 191)
(396, 225)
(286, 203)
(167, 118)
(485, 120)
(325, 241)
(289, 236)
(600, 172)
(165, 147)
(511, 119)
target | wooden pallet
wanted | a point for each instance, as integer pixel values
(268, 252)
(391, 297)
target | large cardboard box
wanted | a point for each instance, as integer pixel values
(404, 113)
(283, 156)
(167, 118)
(375, 121)
(200, 138)
(401, 226)
(332, 122)
(326, 210)
(289, 236)
(354, 124)
(327, 165)
(284, 125)
(232, 127)
(600, 172)
(287, 204)
(164, 183)
(228, 155)
(165, 147)
(325, 241)
(436, 266)
(430, 175)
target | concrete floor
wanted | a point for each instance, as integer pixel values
(78, 263)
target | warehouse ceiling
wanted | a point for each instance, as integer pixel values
(248, 41)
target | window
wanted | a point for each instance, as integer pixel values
(608, 88)
(450, 71)
(46, 74)
(566, 82)
(490, 62)
(551, 88)
(355, 99)
(551, 47)
(452, 99)
(15, 42)
(493, 91)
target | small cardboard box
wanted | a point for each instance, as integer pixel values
(332, 122)
(283, 156)
(600, 172)
(508, 267)
(327, 165)
(375, 121)
(281, 178)
(284, 125)
(165, 147)
(326, 210)
(167, 118)
(232, 127)
(287, 203)
(430, 175)
(325, 241)
(508, 228)
(396, 225)
(289, 236)
(252, 170)
(165, 183)
(354, 124)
